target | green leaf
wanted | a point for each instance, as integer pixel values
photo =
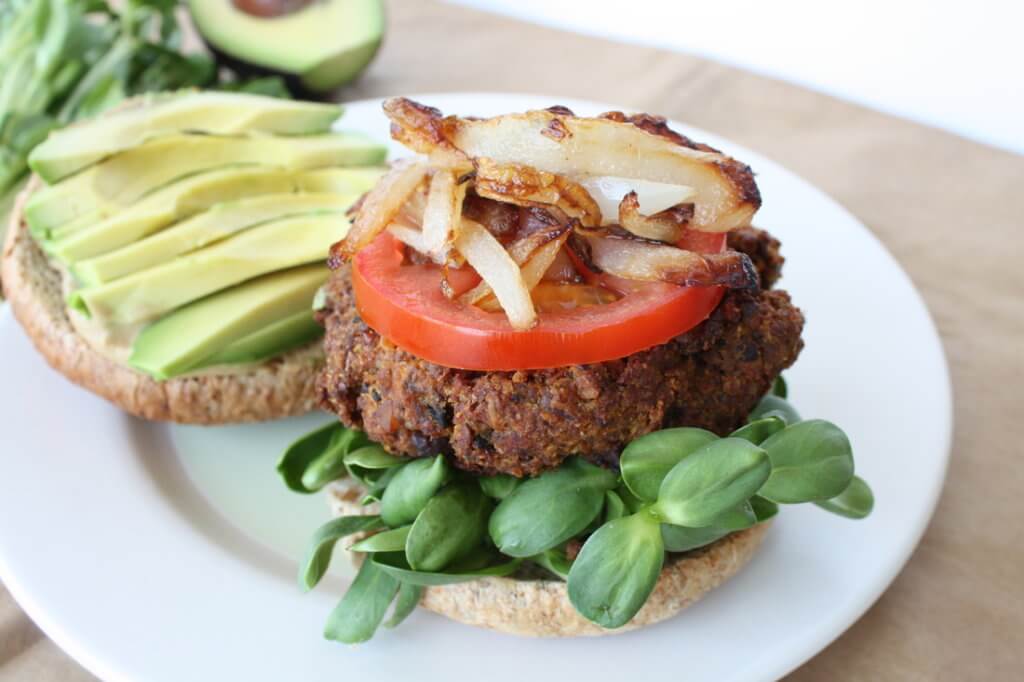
(779, 387)
(318, 554)
(373, 456)
(555, 561)
(411, 487)
(774, 406)
(451, 525)
(682, 539)
(300, 455)
(759, 430)
(386, 541)
(617, 569)
(763, 509)
(327, 467)
(360, 612)
(546, 511)
(647, 460)
(459, 572)
(718, 477)
(408, 598)
(632, 502)
(614, 507)
(856, 502)
(498, 487)
(812, 461)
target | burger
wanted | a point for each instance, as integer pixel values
(554, 348)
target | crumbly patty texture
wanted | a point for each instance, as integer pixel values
(525, 422)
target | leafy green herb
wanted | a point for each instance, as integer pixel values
(774, 406)
(386, 541)
(555, 561)
(758, 430)
(682, 539)
(856, 502)
(410, 488)
(811, 461)
(318, 556)
(459, 572)
(763, 509)
(617, 569)
(408, 598)
(544, 512)
(715, 479)
(451, 525)
(373, 456)
(779, 387)
(614, 507)
(647, 460)
(360, 612)
(498, 487)
(323, 447)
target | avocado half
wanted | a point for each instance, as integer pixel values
(318, 45)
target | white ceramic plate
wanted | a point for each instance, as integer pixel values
(160, 554)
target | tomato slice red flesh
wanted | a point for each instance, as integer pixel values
(403, 303)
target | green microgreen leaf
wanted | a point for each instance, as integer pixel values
(682, 539)
(546, 511)
(555, 561)
(360, 612)
(386, 541)
(811, 461)
(718, 477)
(451, 525)
(774, 406)
(411, 487)
(499, 486)
(647, 460)
(763, 509)
(373, 456)
(408, 598)
(318, 554)
(617, 569)
(759, 430)
(614, 507)
(856, 502)
(324, 444)
(478, 564)
(779, 387)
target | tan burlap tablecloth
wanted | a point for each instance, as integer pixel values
(949, 209)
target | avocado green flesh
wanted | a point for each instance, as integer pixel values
(154, 292)
(76, 147)
(174, 202)
(115, 183)
(326, 44)
(249, 318)
(274, 339)
(221, 221)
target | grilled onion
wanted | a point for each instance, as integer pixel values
(555, 142)
(664, 226)
(534, 253)
(379, 207)
(442, 212)
(525, 186)
(646, 261)
(491, 261)
(654, 197)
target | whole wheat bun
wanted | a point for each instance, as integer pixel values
(281, 387)
(535, 607)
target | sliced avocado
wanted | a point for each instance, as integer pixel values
(115, 183)
(151, 293)
(222, 220)
(76, 147)
(322, 44)
(175, 202)
(274, 339)
(180, 341)
(340, 180)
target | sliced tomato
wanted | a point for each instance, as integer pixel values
(403, 303)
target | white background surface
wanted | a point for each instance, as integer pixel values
(952, 64)
(159, 555)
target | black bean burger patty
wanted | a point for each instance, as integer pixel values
(524, 422)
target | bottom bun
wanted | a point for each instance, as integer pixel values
(280, 387)
(538, 607)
